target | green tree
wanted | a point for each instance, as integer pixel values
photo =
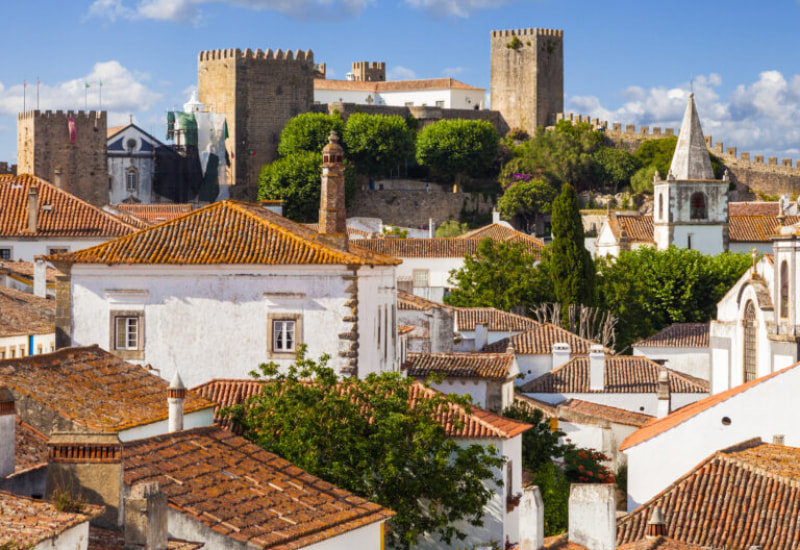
(657, 153)
(501, 275)
(571, 264)
(614, 168)
(642, 180)
(526, 200)
(308, 133)
(367, 436)
(452, 148)
(378, 144)
(451, 228)
(649, 289)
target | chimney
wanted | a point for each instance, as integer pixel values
(481, 336)
(560, 353)
(146, 517)
(441, 331)
(8, 427)
(495, 216)
(593, 516)
(39, 277)
(176, 396)
(656, 525)
(33, 206)
(531, 519)
(431, 228)
(332, 213)
(597, 360)
(87, 467)
(664, 405)
(57, 177)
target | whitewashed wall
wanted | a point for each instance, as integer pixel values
(47, 341)
(533, 366)
(438, 273)
(692, 361)
(452, 99)
(120, 161)
(27, 249)
(196, 419)
(646, 403)
(74, 538)
(605, 437)
(705, 238)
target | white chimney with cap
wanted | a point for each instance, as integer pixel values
(597, 364)
(593, 516)
(560, 353)
(664, 397)
(176, 396)
(8, 428)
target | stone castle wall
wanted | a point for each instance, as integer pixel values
(416, 208)
(43, 144)
(527, 76)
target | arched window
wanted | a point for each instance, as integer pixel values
(698, 211)
(131, 180)
(749, 358)
(660, 206)
(784, 301)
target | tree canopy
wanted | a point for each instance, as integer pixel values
(458, 147)
(451, 228)
(308, 132)
(378, 144)
(368, 436)
(296, 181)
(525, 200)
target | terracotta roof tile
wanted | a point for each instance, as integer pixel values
(678, 335)
(106, 539)
(30, 448)
(479, 424)
(155, 213)
(459, 365)
(754, 208)
(738, 497)
(660, 425)
(755, 228)
(496, 320)
(351, 231)
(631, 228)
(405, 329)
(224, 232)
(501, 232)
(578, 410)
(623, 374)
(660, 543)
(22, 270)
(27, 521)
(59, 214)
(540, 340)
(433, 248)
(244, 492)
(409, 302)
(392, 85)
(24, 314)
(92, 388)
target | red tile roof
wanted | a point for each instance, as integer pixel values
(30, 448)
(59, 214)
(405, 329)
(623, 374)
(224, 232)
(155, 213)
(478, 424)
(25, 314)
(393, 85)
(501, 232)
(409, 302)
(244, 492)
(631, 228)
(754, 208)
(92, 388)
(739, 497)
(578, 410)
(540, 340)
(496, 320)
(23, 271)
(661, 425)
(26, 522)
(456, 247)
(755, 228)
(459, 365)
(678, 335)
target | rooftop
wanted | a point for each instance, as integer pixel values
(578, 410)
(540, 340)
(496, 320)
(106, 539)
(27, 522)
(409, 302)
(59, 214)
(459, 365)
(622, 374)
(224, 232)
(92, 388)
(24, 314)
(742, 496)
(631, 228)
(690, 160)
(756, 228)
(23, 271)
(393, 86)
(244, 492)
(30, 448)
(678, 335)
(155, 213)
(502, 232)
(456, 247)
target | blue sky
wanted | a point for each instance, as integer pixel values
(626, 61)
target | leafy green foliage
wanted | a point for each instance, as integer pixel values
(366, 436)
(571, 264)
(539, 444)
(648, 289)
(657, 153)
(451, 228)
(308, 133)
(642, 180)
(614, 167)
(458, 147)
(526, 200)
(501, 275)
(377, 143)
(554, 488)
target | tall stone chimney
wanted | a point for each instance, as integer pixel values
(664, 397)
(176, 397)
(481, 336)
(593, 516)
(33, 205)
(146, 518)
(39, 277)
(332, 213)
(560, 353)
(57, 174)
(597, 360)
(8, 427)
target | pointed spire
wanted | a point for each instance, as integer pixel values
(691, 160)
(177, 383)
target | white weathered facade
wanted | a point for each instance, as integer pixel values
(22, 345)
(692, 361)
(645, 403)
(445, 93)
(131, 164)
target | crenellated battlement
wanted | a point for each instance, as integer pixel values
(300, 56)
(528, 32)
(30, 115)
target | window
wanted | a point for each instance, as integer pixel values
(12, 352)
(284, 333)
(131, 180)
(698, 207)
(660, 206)
(2, 353)
(689, 241)
(22, 351)
(409, 103)
(127, 334)
(421, 278)
(440, 104)
(5, 253)
(57, 249)
(749, 359)
(784, 290)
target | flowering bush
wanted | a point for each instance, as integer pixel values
(585, 466)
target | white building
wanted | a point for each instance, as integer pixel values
(131, 156)
(446, 93)
(683, 347)
(27, 324)
(39, 218)
(667, 448)
(232, 285)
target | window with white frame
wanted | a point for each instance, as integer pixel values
(284, 334)
(127, 334)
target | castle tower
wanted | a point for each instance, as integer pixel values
(332, 213)
(258, 92)
(527, 80)
(691, 207)
(72, 141)
(366, 71)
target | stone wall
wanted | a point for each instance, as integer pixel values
(415, 208)
(43, 144)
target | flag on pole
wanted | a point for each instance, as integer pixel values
(87, 85)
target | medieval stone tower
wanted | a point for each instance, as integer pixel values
(366, 71)
(527, 81)
(258, 92)
(72, 143)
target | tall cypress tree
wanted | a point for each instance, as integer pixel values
(571, 265)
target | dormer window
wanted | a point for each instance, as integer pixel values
(698, 207)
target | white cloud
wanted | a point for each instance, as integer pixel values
(455, 8)
(453, 72)
(762, 117)
(401, 73)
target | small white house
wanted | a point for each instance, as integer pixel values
(27, 324)
(683, 347)
(446, 93)
(131, 154)
(766, 407)
(22, 275)
(430, 323)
